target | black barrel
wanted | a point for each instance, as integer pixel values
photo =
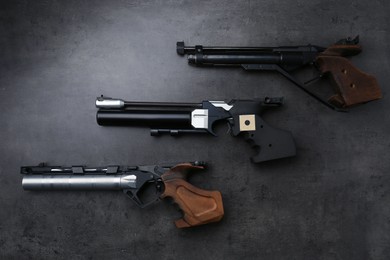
(151, 118)
(265, 58)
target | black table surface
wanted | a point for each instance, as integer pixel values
(331, 201)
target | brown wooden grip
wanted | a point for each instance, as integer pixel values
(199, 206)
(352, 85)
(342, 50)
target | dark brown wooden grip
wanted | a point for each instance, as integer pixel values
(199, 206)
(342, 50)
(352, 85)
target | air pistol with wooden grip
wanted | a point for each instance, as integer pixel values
(351, 85)
(198, 206)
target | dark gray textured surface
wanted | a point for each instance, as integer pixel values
(332, 201)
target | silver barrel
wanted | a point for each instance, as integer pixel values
(79, 182)
(109, 103)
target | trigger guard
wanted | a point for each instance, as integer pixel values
(133, 195)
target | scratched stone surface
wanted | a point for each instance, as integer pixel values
(332, 201)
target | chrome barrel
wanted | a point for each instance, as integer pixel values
(79, 182)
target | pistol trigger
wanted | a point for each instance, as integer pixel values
(229, 128)
(230, 122)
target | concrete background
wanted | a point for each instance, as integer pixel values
(331, 201)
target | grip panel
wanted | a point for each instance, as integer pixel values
(199, 206)
(352, 85)
(269, 142)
